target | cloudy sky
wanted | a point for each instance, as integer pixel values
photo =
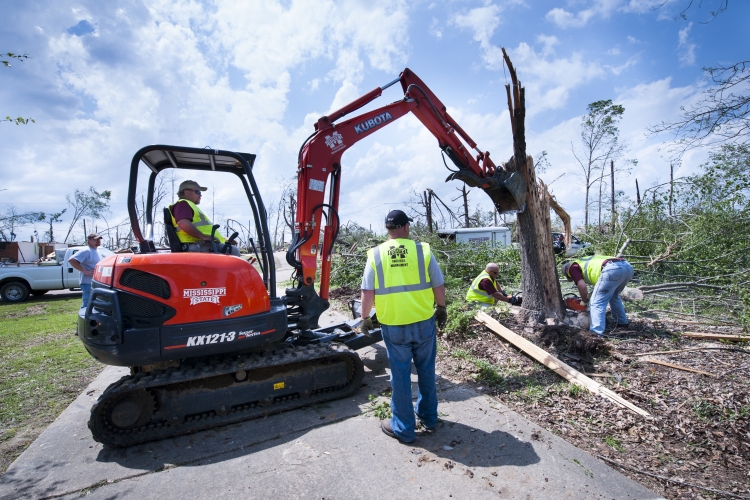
(107, 78)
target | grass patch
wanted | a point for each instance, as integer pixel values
(44, 367)
(488, 374)
(380, 408)
(613, 443)
(459, 317)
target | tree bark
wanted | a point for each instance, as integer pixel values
(539, 281)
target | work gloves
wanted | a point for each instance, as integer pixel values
(441, 316)
(366, 326)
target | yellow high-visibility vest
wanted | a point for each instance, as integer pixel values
(476, 294)
(403, 294)
(199, 220)
(591, 267)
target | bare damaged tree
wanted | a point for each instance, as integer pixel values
(600, 140)
(465, 197)
(541, 288)
(87, 203)
(723, 115)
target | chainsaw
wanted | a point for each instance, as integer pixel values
(573, 301)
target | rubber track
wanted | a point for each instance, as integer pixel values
(155, 430)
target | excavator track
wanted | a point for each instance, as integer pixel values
(220, 391)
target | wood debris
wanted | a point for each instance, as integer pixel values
(677, 367)
(716, 336)
(567, 372)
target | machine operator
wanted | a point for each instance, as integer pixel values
(191, 224)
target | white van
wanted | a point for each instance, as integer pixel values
(495, 236)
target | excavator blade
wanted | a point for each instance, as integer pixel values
(507, 190)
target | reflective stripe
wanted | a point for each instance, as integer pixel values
(381, 289)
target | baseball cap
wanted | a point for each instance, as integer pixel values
(565, 267)
(93, 236)
(396, 219)
(190, 185)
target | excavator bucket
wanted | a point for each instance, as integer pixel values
(507, 190)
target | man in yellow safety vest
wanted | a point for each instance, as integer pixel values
(191, 224)
(485, 291)
(608, 276)
(403, 280)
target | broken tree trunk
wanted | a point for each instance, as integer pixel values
(559, 210)
(541, 288)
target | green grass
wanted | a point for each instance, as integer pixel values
(381, 408)
(613, 443)
(44, 367)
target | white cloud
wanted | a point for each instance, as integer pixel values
(435, 29)
(633, 39)
(565, 19)
(550, 79)
(614, 51)
(482, 21)
(616, 70)
(685, 48)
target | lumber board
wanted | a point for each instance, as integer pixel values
(716, 336)
(565, 371)
(677, 367)
(670, 352)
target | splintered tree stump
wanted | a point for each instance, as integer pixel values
(541, 288)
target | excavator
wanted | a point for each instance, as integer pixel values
(208, 339)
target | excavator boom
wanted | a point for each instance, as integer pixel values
(319, 168)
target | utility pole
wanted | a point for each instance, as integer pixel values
(612, 174)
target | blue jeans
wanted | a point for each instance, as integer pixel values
(403, 343)
(612, 281)
(85, 294)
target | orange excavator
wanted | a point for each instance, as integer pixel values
(208, 339)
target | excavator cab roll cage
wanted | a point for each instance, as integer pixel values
(161, 157)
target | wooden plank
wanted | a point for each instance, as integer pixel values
(716, 336)
(670, 352)
(677, 367)
(565, 371)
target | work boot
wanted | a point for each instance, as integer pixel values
(385, 426)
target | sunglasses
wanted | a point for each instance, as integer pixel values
(197, 191)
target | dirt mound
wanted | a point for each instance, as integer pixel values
(344, 294)
(568, 339)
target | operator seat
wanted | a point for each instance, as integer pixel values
(175, 245)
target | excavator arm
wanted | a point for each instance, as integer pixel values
(319, 169)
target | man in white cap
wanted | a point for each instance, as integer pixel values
(85, 262)
(191, 224)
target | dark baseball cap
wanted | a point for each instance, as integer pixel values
(396, 219)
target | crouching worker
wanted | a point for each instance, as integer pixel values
(191, 224)
(608, 276)
(485, 291)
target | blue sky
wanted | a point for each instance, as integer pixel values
(106, 78)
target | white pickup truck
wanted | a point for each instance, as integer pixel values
(17, 281)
